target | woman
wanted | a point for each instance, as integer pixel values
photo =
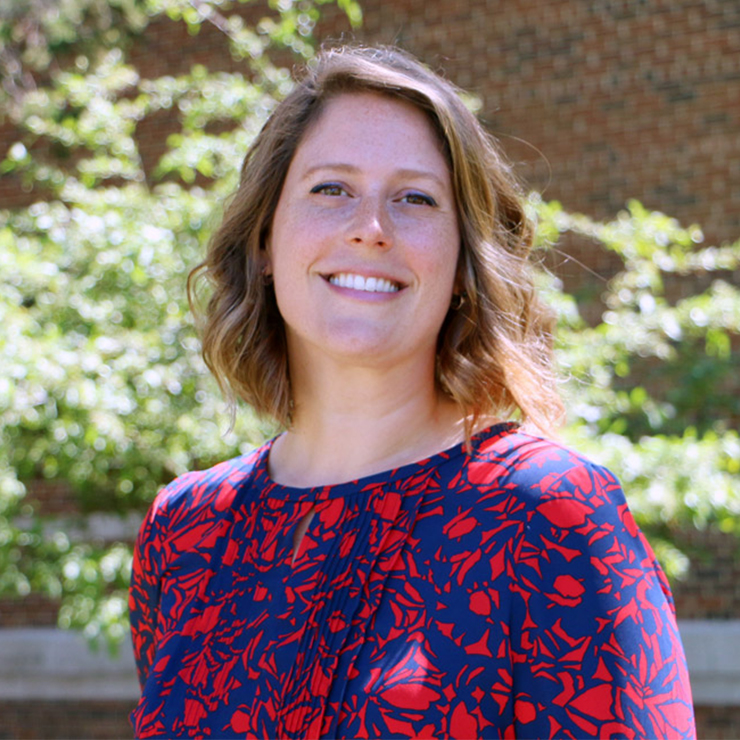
(402, 561)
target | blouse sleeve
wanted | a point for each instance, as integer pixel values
(595, 646)
(144, 594)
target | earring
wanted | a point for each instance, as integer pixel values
(458, 301)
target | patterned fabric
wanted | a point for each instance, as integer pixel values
(499, 594)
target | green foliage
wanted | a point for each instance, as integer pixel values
(653, 389)
(101, 383)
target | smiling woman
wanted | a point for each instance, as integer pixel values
(403, 560)
(494, 349)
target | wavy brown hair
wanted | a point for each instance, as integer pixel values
(494, 351)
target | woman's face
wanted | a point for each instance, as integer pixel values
(364, 242)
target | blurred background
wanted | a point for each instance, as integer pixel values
(122, 127)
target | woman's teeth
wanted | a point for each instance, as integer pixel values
(358, 282)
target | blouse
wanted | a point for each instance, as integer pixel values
(497, 591)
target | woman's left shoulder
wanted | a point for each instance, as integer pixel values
(558, 501)
(537, 463)
(548, 478)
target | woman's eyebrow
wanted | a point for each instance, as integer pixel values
(404, 172)
(342, 167)
(420, 174)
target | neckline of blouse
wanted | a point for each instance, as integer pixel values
(369, 482)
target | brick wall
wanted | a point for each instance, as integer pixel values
(711, 589)
(599, 101)
(52, 720)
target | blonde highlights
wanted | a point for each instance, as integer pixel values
(494, 350)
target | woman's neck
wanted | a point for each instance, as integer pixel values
(355, 423)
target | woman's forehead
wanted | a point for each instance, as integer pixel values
(364, 127)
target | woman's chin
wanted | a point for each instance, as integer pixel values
(362, 346)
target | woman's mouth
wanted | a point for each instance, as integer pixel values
(359, 282)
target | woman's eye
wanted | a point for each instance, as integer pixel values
(419, 199)
(328, 188)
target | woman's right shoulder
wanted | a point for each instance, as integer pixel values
(202, 494)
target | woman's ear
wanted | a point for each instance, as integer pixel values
(266, 259)
(465, 274)
(458, 287)
(266, 273)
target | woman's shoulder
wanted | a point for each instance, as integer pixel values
(543, 474)
(209, 492)
(523, 455)
(556, 499)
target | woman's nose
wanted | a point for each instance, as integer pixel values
(371, 224)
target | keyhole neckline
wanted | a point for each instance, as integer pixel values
(363, 484)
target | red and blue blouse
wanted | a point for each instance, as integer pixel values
(498, 592)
